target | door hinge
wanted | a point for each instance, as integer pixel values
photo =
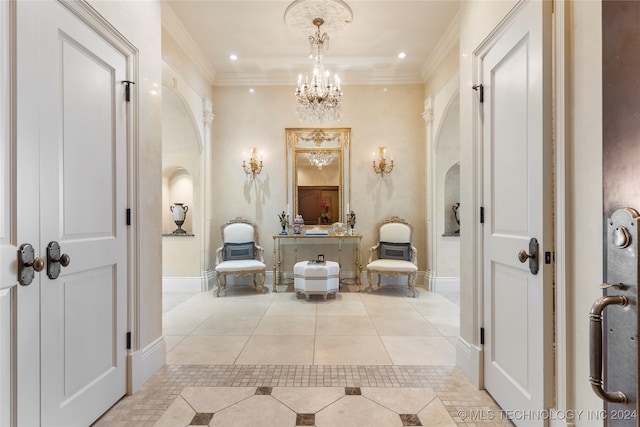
(480, 89)
(127, 89)
(128, 340)
(481, 214)
(128, 216)
(482, 336)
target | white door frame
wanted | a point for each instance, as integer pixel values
(87, 14)
(564, 352)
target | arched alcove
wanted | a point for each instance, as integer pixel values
(451, 201)
(182, 181)
(177, 188)
(447, 194)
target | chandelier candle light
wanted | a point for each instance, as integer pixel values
(319, 99)
(318, 96)
(320, 159)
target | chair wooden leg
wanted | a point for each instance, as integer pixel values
(412, 286)
(263, 278)
(220, 278)
(369, 282)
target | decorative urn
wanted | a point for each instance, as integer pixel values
(179, 212)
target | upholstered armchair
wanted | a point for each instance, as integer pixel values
(240, 255)
(394, 254)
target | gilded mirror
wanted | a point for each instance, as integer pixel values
(318, 174)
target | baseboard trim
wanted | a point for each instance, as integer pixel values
(142, 364)
(208, 280)
(185, 284)
(441, 284)
(446, 284)
(469, 359)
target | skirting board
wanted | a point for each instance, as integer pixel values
(185, 284)
(441, 284)
(469, 359)
(142, 364)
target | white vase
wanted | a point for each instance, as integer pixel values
(179, 211)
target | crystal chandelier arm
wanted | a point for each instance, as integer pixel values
(319, 99)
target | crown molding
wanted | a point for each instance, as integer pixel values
(348, 78)
(448, 41)
(172, 24)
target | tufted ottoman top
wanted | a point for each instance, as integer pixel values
(314, 270)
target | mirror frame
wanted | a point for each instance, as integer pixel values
(298, 141)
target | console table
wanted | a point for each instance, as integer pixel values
(300, 239)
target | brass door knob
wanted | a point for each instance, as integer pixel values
(523, 256)
(38, 264)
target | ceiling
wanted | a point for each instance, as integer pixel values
(269, 52)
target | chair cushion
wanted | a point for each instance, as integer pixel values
(390, 250)
(395, 232)
(238, 251)
(238, 233)
(240, 265)
(392, 265)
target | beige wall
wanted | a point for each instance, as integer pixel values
(139, 22)
(173, 54)
(477, 19)
(377, 115)
(449, 67)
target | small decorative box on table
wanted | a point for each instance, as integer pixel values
(314, 278)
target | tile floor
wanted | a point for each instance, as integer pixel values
(247, 359)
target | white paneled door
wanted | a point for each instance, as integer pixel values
(64, 179)
(515, 72)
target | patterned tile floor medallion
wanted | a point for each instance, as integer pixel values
(261, 360)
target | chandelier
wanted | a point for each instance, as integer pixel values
(318, 95)
(318, 98)
(321, 159)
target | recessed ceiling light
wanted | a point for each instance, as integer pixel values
(401, 55)
(233, 57)
(252, 90)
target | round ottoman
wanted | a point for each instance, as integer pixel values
(311, 278)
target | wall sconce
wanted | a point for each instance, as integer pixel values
(382, 167)
(254, 167)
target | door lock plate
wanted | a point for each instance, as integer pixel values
(55, 261)
(28, 264)
(620, 324)
(532, 256)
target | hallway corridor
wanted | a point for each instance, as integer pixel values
(379, 359)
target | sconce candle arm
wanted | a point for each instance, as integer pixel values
(382, 166)
(255, 166)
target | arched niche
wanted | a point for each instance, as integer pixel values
(451, 201)
(447, 193)
(177, 188)
(182, 182)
